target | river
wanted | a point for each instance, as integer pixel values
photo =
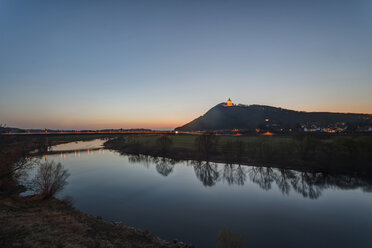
(194, 201)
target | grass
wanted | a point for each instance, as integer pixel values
(188, 141)
(31, 222)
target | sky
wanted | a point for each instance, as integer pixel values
(159, 64)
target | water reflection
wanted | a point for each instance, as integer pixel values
(235, 201)
(234, 174)
(63, 154)
(164, 166)
(207, 173)
(78, 145)
(308, 184)
(263, 176)
(139, 158)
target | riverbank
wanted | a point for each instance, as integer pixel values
(308, 153)
(16, 152)
(31, 222)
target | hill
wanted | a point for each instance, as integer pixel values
(225, 116)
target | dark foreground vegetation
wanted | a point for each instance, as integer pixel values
(32, 222)
(41, 220)
(334, 154)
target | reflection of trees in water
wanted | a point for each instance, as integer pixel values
(263, 176)
(301, 182)
(139, 158)
(307, 184)
(367, 188)
(207, 173)
(164, 165)
(234, 174)
(283, 180)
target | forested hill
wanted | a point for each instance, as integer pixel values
(222, 117)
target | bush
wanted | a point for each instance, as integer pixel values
(228, 239)
(206, 143)
(50, 179)
(164, 143)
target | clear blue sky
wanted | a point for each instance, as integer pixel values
(159, 64)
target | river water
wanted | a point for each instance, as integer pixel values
(193, 202)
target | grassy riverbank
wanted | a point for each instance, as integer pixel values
(330, 154)
(31, 222)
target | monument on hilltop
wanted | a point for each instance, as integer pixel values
(229, 103)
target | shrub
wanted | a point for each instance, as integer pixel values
(206, 143)
(164, 143)
(50, 179)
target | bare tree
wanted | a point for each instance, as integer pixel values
(164, 143)
(206, 143)
(15, 159)
(240, 149)
(50, 179)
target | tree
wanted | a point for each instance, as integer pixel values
(50, 179)
(206, 143)
(15, 159)
(240, 149)
(228, 151)
(164, 143)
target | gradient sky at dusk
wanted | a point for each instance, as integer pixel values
(160, 64)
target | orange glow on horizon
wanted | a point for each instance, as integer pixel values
(164, 120)
(167, 122)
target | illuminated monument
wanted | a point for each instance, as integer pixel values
(229, 103)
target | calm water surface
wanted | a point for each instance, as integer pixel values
(192, 202)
